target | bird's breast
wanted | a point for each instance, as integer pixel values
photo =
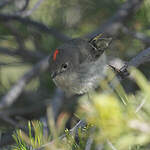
(82, 79)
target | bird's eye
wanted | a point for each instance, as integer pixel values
(64, 66)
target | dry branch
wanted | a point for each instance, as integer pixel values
(141, 58)
(26, 55)
(25, 13)
(25, 6)
(17, 89)
(138, 35)
(40, 26)
(113, 24)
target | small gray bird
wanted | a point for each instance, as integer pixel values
(78, 65)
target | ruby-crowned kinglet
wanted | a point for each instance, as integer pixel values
(79, 64)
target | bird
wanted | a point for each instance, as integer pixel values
(79, 64)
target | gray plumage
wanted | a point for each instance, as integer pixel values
(79, 65)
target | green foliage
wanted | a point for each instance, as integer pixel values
(36, 139)
(116, 116)
(123, 125)
(111, 122)
(20, 143)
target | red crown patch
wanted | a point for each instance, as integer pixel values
(55, 54)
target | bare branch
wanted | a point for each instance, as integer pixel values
(25, 6)
(11, 64)
(138, 35)
(140, 105)
(17, 89)
(141, 58)
(111, 145)
(27, 55)
(29, 12)
(15, 33)
(89, 143)
(136, 61)
(40, 26)
(10, 121)
(115, 22)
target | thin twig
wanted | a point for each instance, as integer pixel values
(19, 39)
(73, 131)
(25, 6)
(17, 89)
(113, 24)
(89, 143)
(141, 58)
(29, 12)
(138, 35)
(10, 121)
(140, 106)
(11, 64)
(26, 55)
(40, 26)
(111, 145)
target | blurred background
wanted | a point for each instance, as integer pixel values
(31, 29)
